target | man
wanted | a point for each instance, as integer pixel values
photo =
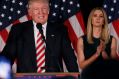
(22, 43)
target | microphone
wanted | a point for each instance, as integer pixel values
(39, 26)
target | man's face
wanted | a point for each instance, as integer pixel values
(39, 12)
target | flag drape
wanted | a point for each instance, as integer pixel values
(112, 9)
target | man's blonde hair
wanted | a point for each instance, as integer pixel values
(43, 1)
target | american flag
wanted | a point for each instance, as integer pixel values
(112, 9)
(66, 11)
(11, 12)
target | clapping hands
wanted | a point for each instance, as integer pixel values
(100, 48)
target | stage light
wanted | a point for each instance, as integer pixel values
(5, 68)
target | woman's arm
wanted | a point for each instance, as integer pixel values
(114, 48)
(83, 63)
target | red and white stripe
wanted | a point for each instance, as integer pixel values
(40, 53)
(76, 28)
(5, 32)
(114, 30)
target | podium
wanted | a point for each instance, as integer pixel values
(46, 75)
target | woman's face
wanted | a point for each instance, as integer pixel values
(98, 18)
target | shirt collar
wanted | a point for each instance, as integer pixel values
(43, 26)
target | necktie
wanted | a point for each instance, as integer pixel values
(40, 51)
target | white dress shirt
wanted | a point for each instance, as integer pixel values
(36, 30)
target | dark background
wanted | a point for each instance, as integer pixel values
(87, 6)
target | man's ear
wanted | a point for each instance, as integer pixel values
(29, 12)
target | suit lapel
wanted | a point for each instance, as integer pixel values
(50, 37)
(50, 33)
(50, 41)
(30, 43)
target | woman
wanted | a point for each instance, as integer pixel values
(97, 47)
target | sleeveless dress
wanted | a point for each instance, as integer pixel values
(99, 69)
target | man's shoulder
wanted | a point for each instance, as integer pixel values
(23, 23)
(21, 26)
(56, 25)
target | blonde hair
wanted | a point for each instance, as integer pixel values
(31, 1)
(105, 31)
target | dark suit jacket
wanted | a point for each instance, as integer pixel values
(21, 46)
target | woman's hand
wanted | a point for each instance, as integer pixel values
(104, 55)
(100, 48)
